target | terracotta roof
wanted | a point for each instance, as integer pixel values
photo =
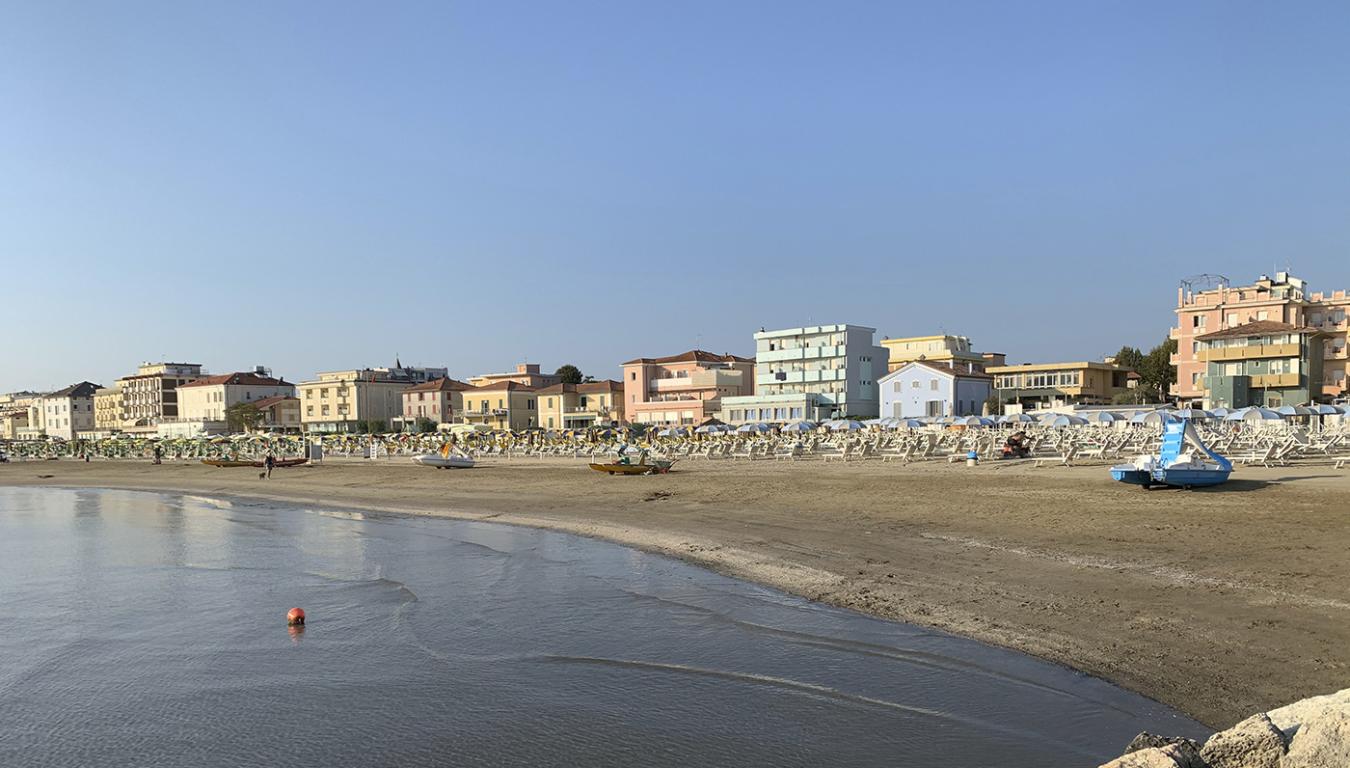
(1256, 328)
(268, 402)
(510, 386)
(607, 385)
(959, 372)
(248, 379)
(692, 356)
(443, 384)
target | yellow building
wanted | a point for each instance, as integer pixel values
(941, 349)
(1048, 385)
(350, 401)
(108, 409)
(503, 405)
(580, 406)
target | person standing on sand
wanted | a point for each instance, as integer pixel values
(159, 455)
(270, 462)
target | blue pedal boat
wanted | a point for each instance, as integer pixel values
(1174, 465)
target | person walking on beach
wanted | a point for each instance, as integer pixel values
(159, 455)
(270, 462)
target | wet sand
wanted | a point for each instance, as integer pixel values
(1220, 602)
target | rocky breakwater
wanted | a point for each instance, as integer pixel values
(1312, 733)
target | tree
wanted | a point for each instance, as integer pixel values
(1129, 357)
(570, 374)
(425, 425)
(1156, 372)
(242, 417)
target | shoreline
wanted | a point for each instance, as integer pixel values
(1204, 615)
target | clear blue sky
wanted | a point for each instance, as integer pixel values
(318, 186)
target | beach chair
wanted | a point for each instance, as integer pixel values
(1262, 456)
(843, 455)
(1065, 459)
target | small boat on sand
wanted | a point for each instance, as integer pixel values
(653, 467)
(1184, 461)
(444, 459)
(443, 462)
(256, 464)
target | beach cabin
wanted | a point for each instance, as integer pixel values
(921, 388)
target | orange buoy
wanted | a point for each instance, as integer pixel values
(296, 617)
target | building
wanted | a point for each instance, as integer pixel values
(150, 396)
(503, 405)
(356, 400)
(108, 409)
(15, 410)
(1263, 362)
(581, 406)
(410, 374)
(1283, 299)
(1050, 385)
(68, 411)
(937, 349)
(440, 400)
(813, 373)
(921, 388)
(683, 389)
(280, 413)
(527, 374)
(203, 404)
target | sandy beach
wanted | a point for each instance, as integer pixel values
(1220, 602)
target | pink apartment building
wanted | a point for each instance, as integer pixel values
(1283, 299)
(440, 400)
(683, 389)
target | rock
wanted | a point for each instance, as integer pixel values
(1322, 742)
(1252, 743)
(1152, 757)
(1290, 717)
(1187, 753)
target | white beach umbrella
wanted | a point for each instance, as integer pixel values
(913, 423)
(712, 429)
(1103, 417)
(1194, 414)
(673, 432)
(753, 429)
(1017, 418)
(974, 421)
(1064, 420)
(844, 425)
(799, 426)
(1322, 409)
(1220, 413)
(1152, 417)
(1257, 413)
(1291, 411)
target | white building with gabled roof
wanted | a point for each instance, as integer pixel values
(920, 388)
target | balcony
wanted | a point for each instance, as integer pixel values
(1273, 380)
(1248, 352)
(799, 353)
(801, 377)
(707, 379)
(495, 413)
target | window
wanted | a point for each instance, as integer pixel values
(933, 385)
(915, 385)
(1263, 315)
(1195, 379)
(1232, 318)
(325, 410)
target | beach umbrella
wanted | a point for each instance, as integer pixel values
(1194, 414)
(974, 421)
(673, 432)
(1152, 417)
(913, 423)
(1064, 420)
(712, 429)
(1322, 409)
(1017, 418)
(1103, 417)
(1291, 411)
(753, 429)
(890, 422)
(799, 426)
(1253, 413)
(843, 425)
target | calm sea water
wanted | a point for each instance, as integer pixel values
(149, 630)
